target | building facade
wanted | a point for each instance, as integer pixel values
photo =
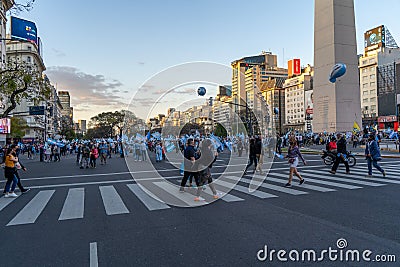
(27, 53)
(380, 50)
(299, 101)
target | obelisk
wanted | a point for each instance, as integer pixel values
(336, 105)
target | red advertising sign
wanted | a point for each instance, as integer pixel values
(382, 119)
(294, 67)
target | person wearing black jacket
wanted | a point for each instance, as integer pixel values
(204, 165)
(252, 156)
(341, 154)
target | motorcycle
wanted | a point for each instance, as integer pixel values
(329, 158)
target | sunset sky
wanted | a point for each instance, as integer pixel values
(103, 51)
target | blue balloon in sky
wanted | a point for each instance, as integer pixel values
(276, 111)
(337, 71)
(201, 91)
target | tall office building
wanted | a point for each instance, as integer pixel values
(67, 110)
(337, 105)
(380, 49)
(248, 76)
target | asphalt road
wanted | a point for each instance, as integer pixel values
(75, 217)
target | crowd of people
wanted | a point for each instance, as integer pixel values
(195, 149)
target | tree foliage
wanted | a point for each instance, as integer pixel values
(220, 130)
(20, 82)
(18, 127)
(114, 122)
(19, 7)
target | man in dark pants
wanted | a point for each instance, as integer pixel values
(189, 161)
(341, 154)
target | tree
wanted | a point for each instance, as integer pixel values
(117, 120)
(21, 82)
(97, 132)
(18, 127)
(21, 7)
(66, 128)
(220, 130)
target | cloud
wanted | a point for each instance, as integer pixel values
(86, 89)
(141, 63)
(175, 91)
(58, 53)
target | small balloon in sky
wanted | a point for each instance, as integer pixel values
(337, 71)
(276, 111)
(201, 91)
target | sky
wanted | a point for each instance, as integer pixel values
(104, 51)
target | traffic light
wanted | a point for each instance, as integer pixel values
(210, 101)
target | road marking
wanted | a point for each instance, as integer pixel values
(231, 198)
(321, 182)
(305, 185)
(334, 177)
(390, 181)
(259, 194)
(33, 209)
(113, 203)
(276, 188)
(174, 191)
(74, 204)
(5, 201)
(149, 201)
(94, 261)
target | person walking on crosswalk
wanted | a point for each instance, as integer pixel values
(293, 159)
(203, 166)
(373, 155)
(10, 170)
(341, 154)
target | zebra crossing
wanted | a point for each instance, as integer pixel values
(73, 208)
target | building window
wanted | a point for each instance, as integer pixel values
(365, 77)
(372, 99)
(372, 76)
(365, 93)
(371, 60)
(365, 85)
(28, 59)
(365, 100)
(364, 70)
(372, 84)
(372, 92)
(364, 62)
(373, 108)
(372, 69)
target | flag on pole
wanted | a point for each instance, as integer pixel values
(356, 127)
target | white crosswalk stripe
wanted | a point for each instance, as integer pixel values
(33, 209)
(74, 204)
(4, 202)
(148, 199)
(334, 177)
(346, 186)
(276, 188)
(173, 190)
(259, 194)
(113, 203)
(305, 185)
